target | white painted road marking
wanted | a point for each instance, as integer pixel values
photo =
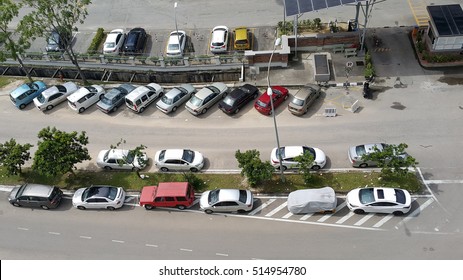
(416, 212)
(287, 215)
(364, 219)
(186, 250)
(271, 213)
(85, 237)
(54, 233)
(345, 218)
(262, 206)
(118, 241)
(383, 220)
(151, 245)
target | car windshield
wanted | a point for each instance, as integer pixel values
(106, 100)
(107, 192)
(243, 196)
(110, 45)
(229, 101)
(366, 196)
(281, 152)
(213, 197)
(400, 196)
(297, 101)
(41, 98)
(166, 100)
(33, 86)
(261, 104)
(360, 150)
(130, 156)
(188, 155)
(196, 101)
(91, 89)
(173, 47)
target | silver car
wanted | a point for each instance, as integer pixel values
(175, 97)
(114, 98)
(302, 100)
(288, 154)
(226, 200)
(54, 95)
(179, 160)
(99, 197)
(206, 98)
(355, 154)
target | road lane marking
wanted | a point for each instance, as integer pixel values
(186, 250)
(327, 216)
(117, 241)
(287, 215)
(54, 233)
(85, 237)
(221, 254)
(443, 181)
(345, 218)
(415, 212)
(271, 213)
(262, 206)
(364, 219)
(22, 228)
(151, 245)
(383, 220)
(306, 216)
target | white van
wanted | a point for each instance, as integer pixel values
(85, 97)
(143, 96)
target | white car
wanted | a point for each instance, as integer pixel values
(379, 200)
(176, 43)
(206, 98)
(120, 159)
(114, 41)
(85, 97)
(219, 40)
(179, 160)
(99, 197)
(226, 200)
(54, 95)
(288, 154)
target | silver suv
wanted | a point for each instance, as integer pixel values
(35, 195)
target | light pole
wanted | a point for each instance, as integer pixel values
(176, 28)
(270, 94)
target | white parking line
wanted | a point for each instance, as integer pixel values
(85, 237)
(262, 206)
(151, 245)
(271, 213)
(364, 219)
(345, 218)
(22, 228)
(220, 254)
(287, 215)
(118, 241)
(327, 216)
(54, 233)
(186, 250)
(306, 216)
(383, 220)
(416, 212)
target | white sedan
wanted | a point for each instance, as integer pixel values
(54, 95)
(379, 200)
(179, 160)
(288, 154)
(121, 159)
(176, 43)
(206, 98)
(99, 197)
(114, 41)
(226, 200)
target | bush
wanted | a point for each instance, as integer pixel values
(96, 42)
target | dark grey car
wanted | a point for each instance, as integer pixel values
(114, 98)
(36, 195)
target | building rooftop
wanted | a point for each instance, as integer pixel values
(448, 19)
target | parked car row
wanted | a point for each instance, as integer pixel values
(181, 195)
(138, 98)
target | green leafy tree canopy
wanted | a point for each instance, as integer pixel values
(253, 168)
(305, 165)
(58, 152)
(14, 155)
(136, 154)
(392, 159)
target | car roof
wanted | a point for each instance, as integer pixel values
(70, 86)
(293, 151)
(218, 34)
(229, 195)
(172, 189)
(173, 154)
(141, 90)
(102, 190)
(383, 194)
(173, 38)
(266, 98)
(305, 91)
(37, 190)
(111, 37)
(174, 91)
(82, 92)
(117, 153)
(115, 91)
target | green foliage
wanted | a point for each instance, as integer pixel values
(369, 70)
(393, 159)
(136, 153)
(305, 164)
(285, 28)
(253, 168)
(96, 42)
(13, 156)
(58, 152)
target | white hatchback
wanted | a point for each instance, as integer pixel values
(219, 40)
(121, 159)
(226, 200)
(85, 97)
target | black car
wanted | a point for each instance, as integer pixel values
(135, 42)
(239, 97)
(58, 41)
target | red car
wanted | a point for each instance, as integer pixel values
(263, 105)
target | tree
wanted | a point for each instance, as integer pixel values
(305, 165)
(59, 15)
(12, 47)
(253, 168)
(14, 155)
(134, 154)
(58, 152)
(392, 159)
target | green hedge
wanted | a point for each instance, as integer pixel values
(96, 42)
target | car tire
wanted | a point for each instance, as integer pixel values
(101, 96)
(81, 207)
(45, 207)
(110, 208)
(316, 167)
(224, 95)
(135, 169)
(81, 110)
(254, 96)
(363, 165)
(270, 112)
(181, 207)
(22, 106)
(164, 169)
(149, 207)
(108, 168)
(236, 111)
(284, 168)
(241, 211)
(141, 110)
(49, 107)
(194, 169)
(208, 211)
(398, 213)
(286, 97)
(174, 109)
(359, 211)
(16, 204)
(204, 111)
(114, 109)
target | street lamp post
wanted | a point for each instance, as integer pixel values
(176, 28)
(270, 94)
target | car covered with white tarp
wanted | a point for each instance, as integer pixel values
(312, 201)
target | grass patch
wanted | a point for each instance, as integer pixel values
(341, 182)
(4, 81)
